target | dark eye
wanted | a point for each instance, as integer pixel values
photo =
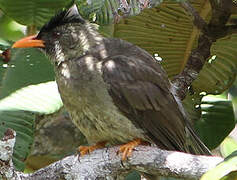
(56, 34)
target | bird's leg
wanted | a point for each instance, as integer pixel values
(127, 149)
(83, 150)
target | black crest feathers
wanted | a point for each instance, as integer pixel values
(67, 16)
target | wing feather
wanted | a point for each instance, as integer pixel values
(146, 99)
(141, 90)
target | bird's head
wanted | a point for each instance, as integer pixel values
(61, 38)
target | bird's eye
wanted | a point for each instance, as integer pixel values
(56, 34)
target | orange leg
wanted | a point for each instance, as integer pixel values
(83, 150)
(127, 149)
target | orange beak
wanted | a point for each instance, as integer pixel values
(29, 41)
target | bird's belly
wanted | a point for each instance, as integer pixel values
(92, 110)
(106, 124)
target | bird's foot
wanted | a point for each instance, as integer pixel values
(127, 149)
(83, 150)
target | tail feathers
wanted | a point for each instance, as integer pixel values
(195, 145)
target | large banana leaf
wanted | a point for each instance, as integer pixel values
(32, 12)
(103, 11)
(217, 120)
(41, 98)
(23, 70)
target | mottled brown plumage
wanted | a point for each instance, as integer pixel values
(114, 90)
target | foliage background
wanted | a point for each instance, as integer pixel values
(27, 87)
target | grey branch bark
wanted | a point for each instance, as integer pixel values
(106, 164)
(6, 151)
(126, 8)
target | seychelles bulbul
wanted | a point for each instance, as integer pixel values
(115, 92)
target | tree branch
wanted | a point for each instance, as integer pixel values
(107, 163)
(198, 21)
(221, 11)
(216, 29)
(6, 151)
(126, 8)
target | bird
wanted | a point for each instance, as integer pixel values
(115, 92)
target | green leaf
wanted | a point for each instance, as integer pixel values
(23, 123)
(212, 117)
(219, 72)
(133, 176)
(41, 98)
(217, 121)
(10, 30)
(165, 30)
(32, 12)
(102, 10)
(228, 146)
(192, 105)
(27, 66)
(224, 168)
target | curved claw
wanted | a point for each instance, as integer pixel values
(127, 149)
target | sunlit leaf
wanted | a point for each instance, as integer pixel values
(27, 66)
(41, 98)
(228, 146)
(10, 30)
